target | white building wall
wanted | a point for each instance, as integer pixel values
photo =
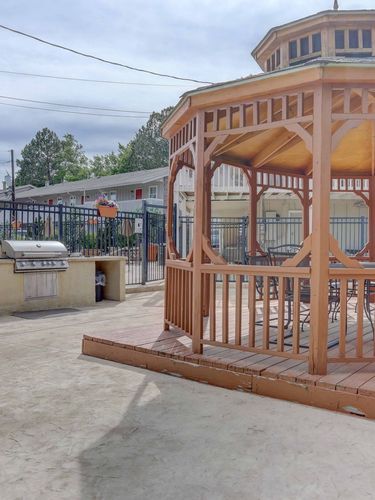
(123, 193)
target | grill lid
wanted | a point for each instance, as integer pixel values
(17, 249)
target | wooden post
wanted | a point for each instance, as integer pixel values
(253, 212)
(371, 206)
(199, 190)
(207, 232)
(371, 216)
(320, 231)
(306, 207)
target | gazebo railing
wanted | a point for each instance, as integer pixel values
(262, 309)
(355, 328)
(267, 322)
(178, 298)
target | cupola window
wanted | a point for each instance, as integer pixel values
(340, 39)
(304, 42)
(317, 42)
(293, 49)
(353, 39)
(366, 39)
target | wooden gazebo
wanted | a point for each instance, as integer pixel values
(299, 328)
(308, 128)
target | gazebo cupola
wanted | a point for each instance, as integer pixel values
(331, 33)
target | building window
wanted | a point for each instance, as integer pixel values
(72, 200)
(273, 62)
(316, 42)
(268, 64)
(278, 58)
(293, 49)
(340, 39)
(113, 196)
(59, 201)
(153, 192)
(353, 39)
(304, 45)
(367, 39)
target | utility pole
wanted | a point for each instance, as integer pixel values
(13, 180)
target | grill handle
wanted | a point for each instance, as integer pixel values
(42, 255)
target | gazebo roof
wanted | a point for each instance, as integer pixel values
(353, 154)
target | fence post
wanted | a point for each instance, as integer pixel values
(144, 242)
(243, 239)
(362, 232)
(60, 224)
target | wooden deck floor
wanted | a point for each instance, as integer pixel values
(348, 387)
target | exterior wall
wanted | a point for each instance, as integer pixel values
(123, 193)
(351, 207)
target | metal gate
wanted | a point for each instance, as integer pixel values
(153, 243)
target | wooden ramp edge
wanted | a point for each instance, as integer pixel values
(307, 394)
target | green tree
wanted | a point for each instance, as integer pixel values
(48, 158)
(40, 159)
(74, 164)
(148, 149)
(102, 165)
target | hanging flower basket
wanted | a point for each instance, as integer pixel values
(109, 212)
(106, 208)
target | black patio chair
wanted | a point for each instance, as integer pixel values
(257, 260)
(277, 256)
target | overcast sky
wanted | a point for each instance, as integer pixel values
(202, 39)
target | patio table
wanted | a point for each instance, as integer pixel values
(369, 287)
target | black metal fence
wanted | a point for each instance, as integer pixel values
(229, 235)
(138, 236)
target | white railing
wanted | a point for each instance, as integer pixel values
(130, 205)
(227, 179)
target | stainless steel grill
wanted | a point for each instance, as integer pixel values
(36, 256)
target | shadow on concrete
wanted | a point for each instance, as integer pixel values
(144, 456)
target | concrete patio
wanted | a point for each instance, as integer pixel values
(74, 427)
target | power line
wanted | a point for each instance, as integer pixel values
(74, 105)
(107, 61)
(90, 80)
(70, 112)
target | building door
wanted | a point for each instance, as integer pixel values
(50, 202)
(138, 194)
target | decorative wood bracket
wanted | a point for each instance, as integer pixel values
(302, 133)
(340, 255)
(363, 196)
(211, 148)
(210, 252)
(342, 131)
(364, 250)
(334, 249)
(301, 255)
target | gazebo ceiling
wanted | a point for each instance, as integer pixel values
(262, 150)
(354, 152)
(267, 121)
